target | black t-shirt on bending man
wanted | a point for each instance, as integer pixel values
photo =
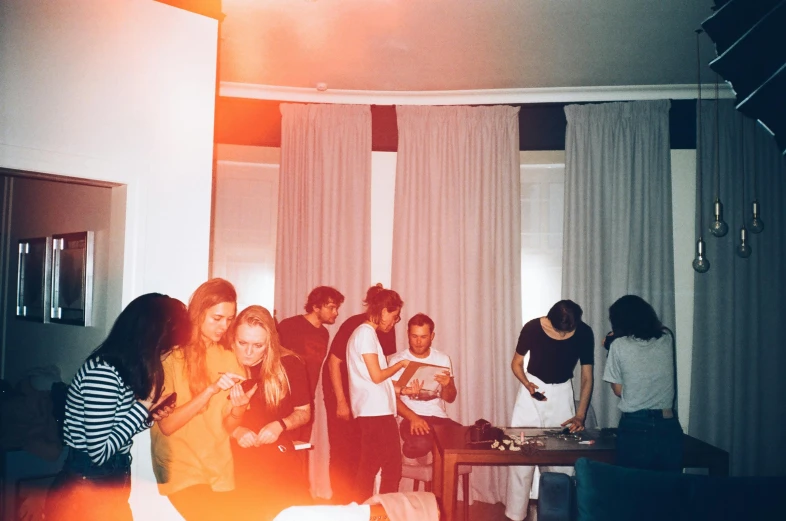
(553, 360)
(310, 343)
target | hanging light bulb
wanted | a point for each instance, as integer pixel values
(700, 263)
(718, 226)
(756, 224)
(743, 249)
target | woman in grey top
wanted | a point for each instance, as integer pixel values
(640, 369)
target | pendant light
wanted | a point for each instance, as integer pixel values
(743, 249)
(700, 262)
(756, 225)
(718, 226)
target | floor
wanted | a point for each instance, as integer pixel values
(479, 511)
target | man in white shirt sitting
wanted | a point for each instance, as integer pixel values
(420, 415)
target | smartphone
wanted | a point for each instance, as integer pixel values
(166, 402)
(539, 396)
(247, 385)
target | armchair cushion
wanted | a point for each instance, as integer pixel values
(610, 493)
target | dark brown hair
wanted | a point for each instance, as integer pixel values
(565, 315)
(421, 319)
(382, 299)
(322, 296)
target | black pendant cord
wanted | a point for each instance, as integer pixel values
(699, 145)
(753, 164)
(717, 141)
(742, 147)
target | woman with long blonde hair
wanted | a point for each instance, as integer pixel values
(269, 473)
(192, 459)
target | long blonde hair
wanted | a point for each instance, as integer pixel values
(273, 380)
(213, 292)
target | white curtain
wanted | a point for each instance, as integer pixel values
(618, 236)
(323, 224)
(457, 248)
(737, 383)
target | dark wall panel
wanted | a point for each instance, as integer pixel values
(242, 121)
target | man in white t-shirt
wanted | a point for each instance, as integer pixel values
(420, 415)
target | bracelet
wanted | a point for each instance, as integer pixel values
(283, 425)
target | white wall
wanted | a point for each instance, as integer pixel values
(120, 91)
(683, 202)
(244, 228)
(383, 188)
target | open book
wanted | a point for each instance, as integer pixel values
(423, 372)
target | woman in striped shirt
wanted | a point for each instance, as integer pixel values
(108, 402)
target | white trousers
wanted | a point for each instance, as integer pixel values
(529, 412)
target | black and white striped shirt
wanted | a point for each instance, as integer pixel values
(101, 413)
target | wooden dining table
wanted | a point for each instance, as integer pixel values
(452, 447)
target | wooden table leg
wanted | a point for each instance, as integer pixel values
(449, 483)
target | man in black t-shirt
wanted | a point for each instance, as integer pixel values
(545, 399)
(308, 337)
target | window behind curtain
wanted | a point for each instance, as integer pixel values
(542, 204)
(245, 229)
(244, 240)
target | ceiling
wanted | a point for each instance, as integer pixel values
(430, 45)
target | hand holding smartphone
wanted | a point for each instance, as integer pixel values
(247, 385)
(539, 396)
(169, 401)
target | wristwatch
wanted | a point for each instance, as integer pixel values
(283, 425)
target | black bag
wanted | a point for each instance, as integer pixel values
(483, 431)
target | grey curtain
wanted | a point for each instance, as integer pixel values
(618, 236)
(739, 334)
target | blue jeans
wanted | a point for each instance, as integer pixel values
(647, 440)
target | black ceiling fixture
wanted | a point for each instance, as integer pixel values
(750, 41)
